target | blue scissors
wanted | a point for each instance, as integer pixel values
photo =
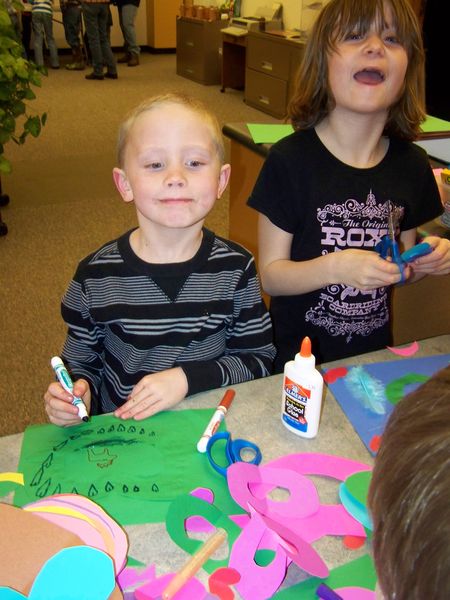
(233, 451)
(388, 246)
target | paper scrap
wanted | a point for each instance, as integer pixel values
(405, 351)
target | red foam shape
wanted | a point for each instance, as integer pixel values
(374, 443)
(219, 582)
(333, 374)
(353, 541)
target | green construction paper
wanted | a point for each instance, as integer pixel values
(357, 573)
(358, 485)
(395, 390)
(8, 486)
(134, 562)
(131, 469)
(433, 124)
(267, 133)
(187, 506)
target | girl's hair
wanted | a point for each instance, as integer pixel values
(171, 98)
(313, 100)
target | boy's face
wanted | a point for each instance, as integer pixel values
(171, 168)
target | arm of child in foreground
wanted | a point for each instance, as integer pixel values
(154, 393)
(58, 402)
(281, 276)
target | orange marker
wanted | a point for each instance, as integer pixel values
(216, 420)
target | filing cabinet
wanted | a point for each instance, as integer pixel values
(199, 44)
(271, 66)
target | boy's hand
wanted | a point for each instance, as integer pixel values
(438, 261)
(58, 402)
(365, 269)
(154, 393)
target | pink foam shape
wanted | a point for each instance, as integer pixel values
(204, 494)
(314, 463)
(297, 549)
(240, 520)
(257, 582)
(196, 522)
(116, 546)
(303, 498)
(330, 519)
(355, 593)
(407, 351)
(191, 590)
(130, 576)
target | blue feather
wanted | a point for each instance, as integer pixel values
(368, 390)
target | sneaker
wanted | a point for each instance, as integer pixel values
(124, 59)
(111, 75)
(134, 60)
(94, 76)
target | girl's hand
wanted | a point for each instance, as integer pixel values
(365, 269)
(154, 393)
(438, 261)
(58, 402)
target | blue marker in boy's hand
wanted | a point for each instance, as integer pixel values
(65, 380)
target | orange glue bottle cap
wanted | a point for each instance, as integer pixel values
(305, 356)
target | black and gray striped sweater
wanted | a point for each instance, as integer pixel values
(127, 318)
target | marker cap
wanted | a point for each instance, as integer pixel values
(56, 362)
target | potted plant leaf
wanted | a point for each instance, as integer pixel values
(17, 76)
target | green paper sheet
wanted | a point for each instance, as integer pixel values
(433, 124)
(357, 573)
(264, 133)
(131, 469)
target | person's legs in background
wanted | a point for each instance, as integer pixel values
(38, 34)
(127, 17)
(108, 57)
(71, 15)
(96, 17)
(91, 16)
(26, 33)
(48, 29)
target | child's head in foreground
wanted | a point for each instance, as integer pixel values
(409, 496)
(171, 142)
(338, 22)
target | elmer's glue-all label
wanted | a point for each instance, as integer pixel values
(301, 400)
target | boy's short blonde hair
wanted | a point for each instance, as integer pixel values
(409, 496)
(171, 98)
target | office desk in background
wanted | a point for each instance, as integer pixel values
(255, 415)
(420, 310)
(233, 60)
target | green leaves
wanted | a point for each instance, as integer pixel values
(17, 75)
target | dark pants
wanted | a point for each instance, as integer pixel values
(96, 16)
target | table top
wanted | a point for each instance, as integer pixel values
(436, 144)
(255, 415)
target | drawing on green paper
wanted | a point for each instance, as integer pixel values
(132, 471)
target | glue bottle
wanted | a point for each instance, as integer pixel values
(301, 400)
